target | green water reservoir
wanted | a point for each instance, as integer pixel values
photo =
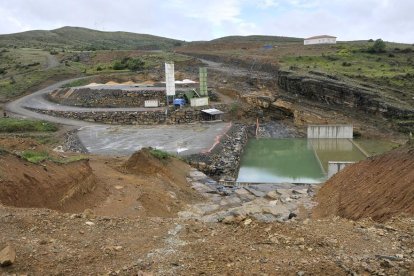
(293, 160)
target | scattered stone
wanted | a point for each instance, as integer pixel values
(119, 187)
(241, 191)
(276, 210)
(247, 221)
(89, 223)
(255, 192)
(272, 195)
(300, 191)
(7, 256)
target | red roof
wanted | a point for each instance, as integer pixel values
(320, 36)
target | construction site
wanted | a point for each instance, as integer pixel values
(210, 166)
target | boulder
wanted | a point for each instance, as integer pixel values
(272, 195)
(7, 256)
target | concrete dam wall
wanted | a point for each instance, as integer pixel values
(330, 131)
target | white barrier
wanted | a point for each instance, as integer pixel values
(151, 103)
(336, 166)
(330, 131)
(199, 101)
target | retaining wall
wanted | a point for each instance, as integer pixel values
(89, 97)
(336, 166)
(179, 116)
(224, 160)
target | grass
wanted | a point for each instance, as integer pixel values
(76, 83)
(394, 68)
(11, 125)
(23, 69)
(86, 39)
(37, 157)
(159, 154)
(34, 156)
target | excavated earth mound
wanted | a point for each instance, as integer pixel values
(380, 187)
(165, 190)
(65, 187)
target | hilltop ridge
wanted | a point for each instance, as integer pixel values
(86, 39)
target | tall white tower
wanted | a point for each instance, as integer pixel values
(170, 79)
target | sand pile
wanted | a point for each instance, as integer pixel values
(380, 187)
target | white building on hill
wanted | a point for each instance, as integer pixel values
(320, 39)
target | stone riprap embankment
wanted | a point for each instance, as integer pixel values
(172, 116)
(266, 203)
(93, 97)
(223, 161)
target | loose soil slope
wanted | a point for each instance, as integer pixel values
(68, 187)
(163, 187)
(380, 187)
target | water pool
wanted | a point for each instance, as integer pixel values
(293, 160)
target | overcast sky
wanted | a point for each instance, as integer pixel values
(390, 20)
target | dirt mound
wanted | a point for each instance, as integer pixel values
(165, 190)
(64, 187)
(380, 187)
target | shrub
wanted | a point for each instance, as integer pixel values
(378, 47)
(99, 68)
(118, 65)
(133, 64)
(346, 64)
(370, 40)
(407, 50)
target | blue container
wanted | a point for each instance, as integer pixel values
(179, 102)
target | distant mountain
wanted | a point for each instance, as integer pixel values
(257, 38)
(86, 39)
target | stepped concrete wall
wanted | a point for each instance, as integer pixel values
(330, 131)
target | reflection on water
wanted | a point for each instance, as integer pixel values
(293, 160)
(335, 150)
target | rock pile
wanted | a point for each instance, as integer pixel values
(224, 160)
(266, 203)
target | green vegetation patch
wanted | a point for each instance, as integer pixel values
(390, 66)
(159, 154)
(11, 125)
(75, 83)
(37, 157)
(34, 156)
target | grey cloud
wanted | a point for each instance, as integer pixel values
(203, 20)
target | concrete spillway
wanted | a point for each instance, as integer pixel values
(330, 131)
